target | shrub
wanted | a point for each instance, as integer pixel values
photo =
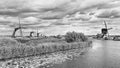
(75, 37)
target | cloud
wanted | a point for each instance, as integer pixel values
(30, 20)
(48, 9)
(81, 17)
(109, 13)
(46, 14)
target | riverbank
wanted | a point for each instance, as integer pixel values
(38, 52)
(43, 61)
(10, 48)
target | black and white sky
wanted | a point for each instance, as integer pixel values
(54, 17)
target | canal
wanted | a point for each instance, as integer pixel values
(103, 54)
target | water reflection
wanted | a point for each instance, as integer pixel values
(103, 54)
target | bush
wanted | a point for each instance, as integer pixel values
(75, 37)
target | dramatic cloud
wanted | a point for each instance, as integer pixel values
(109, 13)
(48, 15)
(48, 9)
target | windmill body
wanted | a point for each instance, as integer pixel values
(16, 29)
(104, 32)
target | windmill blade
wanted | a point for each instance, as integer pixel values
(110, 28)
(107, 27)
(20, 28)
(105, 24)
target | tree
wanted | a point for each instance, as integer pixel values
(75, 37)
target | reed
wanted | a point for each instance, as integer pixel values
(12, 48)
(23, 50)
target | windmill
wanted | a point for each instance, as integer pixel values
(31, 33)
(105, 31)
(18, 28)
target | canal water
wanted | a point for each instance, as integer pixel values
(103, 54)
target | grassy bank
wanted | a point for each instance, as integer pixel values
(44, 61)
(11, 48)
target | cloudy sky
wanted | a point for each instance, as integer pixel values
(54, 17)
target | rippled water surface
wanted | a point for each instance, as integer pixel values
(103, 54)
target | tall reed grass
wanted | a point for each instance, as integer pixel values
(24, 47)
(10, 48)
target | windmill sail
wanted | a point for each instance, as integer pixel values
(105, 24)
(106, 28)
(21, 34)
